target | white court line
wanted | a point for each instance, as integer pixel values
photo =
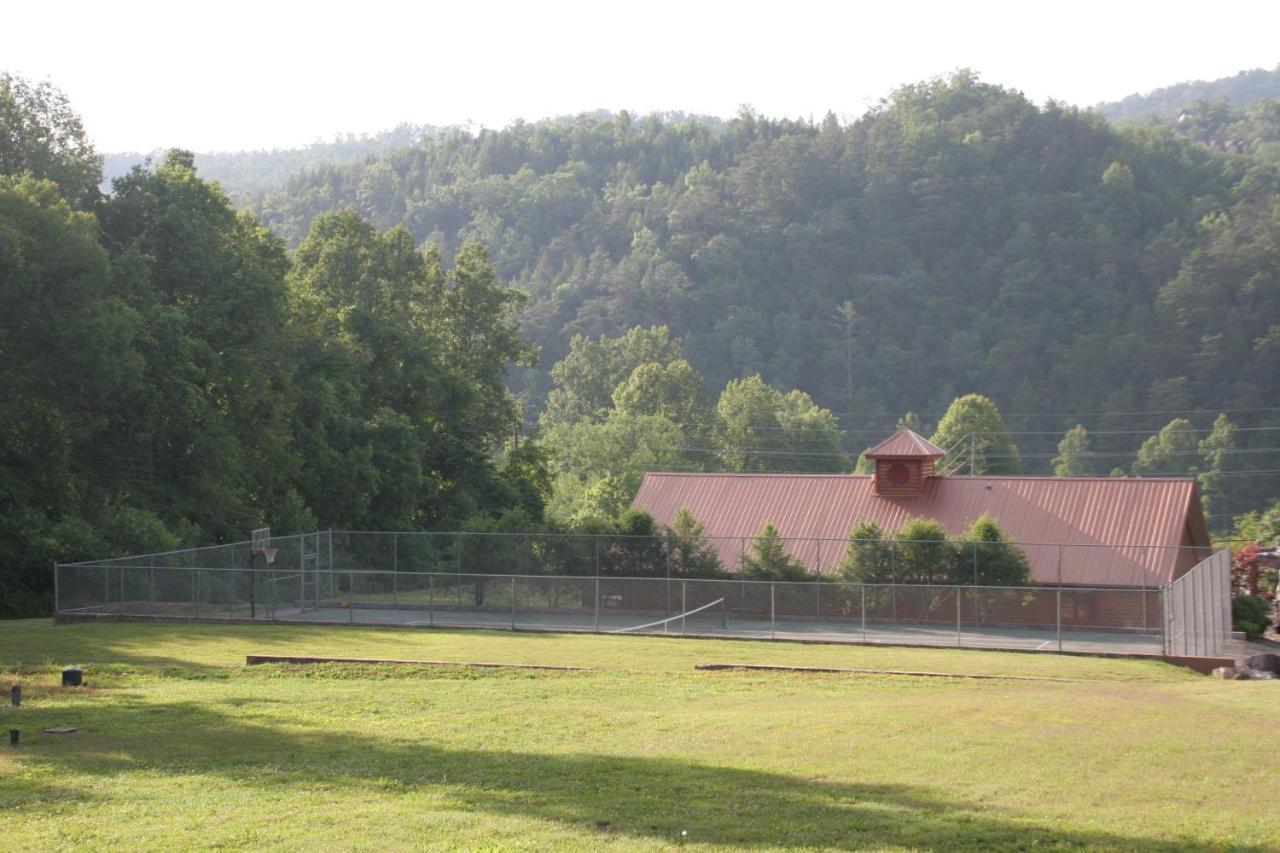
(1046, 644)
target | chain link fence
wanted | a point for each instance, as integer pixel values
(621, 584)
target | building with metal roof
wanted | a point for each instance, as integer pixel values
(1087, 531)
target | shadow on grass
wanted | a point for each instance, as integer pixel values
(624, 796)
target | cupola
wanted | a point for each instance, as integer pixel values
(903, 461)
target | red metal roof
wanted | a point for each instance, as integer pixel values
(905, 444)
(1113, 531)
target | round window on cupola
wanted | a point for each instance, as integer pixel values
(898, 474)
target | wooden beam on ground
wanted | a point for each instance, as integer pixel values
(912, 673)
(252, 660)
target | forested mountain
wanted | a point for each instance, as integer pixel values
(1253, 129)
(244, 174)
(957, 238)
(1166, 102)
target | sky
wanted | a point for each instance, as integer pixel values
(247, 75)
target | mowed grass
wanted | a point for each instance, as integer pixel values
(181, 746)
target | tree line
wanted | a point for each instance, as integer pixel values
(174, 375)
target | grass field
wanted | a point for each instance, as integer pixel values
(182, 746)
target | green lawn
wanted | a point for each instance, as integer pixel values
(182, 746)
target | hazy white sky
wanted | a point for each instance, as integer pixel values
(232, 75)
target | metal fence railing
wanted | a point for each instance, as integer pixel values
(924, 593)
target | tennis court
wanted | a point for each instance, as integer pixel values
(315, 579)
(710, 623)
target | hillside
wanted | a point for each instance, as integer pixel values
(244, 174)
(1166, 102)
(985, 244)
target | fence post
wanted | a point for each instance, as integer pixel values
(458, 585)
(684, 589)
(151, 582)
(395, 569)
(669, 544)
(513, 602)
(1164, 619)
(975, 563)
(863, 588)
(1058, 609)
(195, 592)
(893, 578)
(122, 589)
(596, 607)
(817, 601)
(773, 625)
(1144, 602)
(959, 592)
(431, 599)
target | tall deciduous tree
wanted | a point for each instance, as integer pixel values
(41, 135)
(762, 429)
(587, 377)
(1216, 450)
(972, 426)
(1173, 451)
(1073, 454)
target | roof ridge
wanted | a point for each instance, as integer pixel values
(941, 478)
(905, 443)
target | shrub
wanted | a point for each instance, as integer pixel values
(868, 558)
(692, 555)
(769, 561)
(1251, 614)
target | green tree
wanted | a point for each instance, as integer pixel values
(1172, 451)
(41, 135)
(208, 436)
(673, 391)
(986, 558)
(768, 559)
(68, 343)
(692, 554)
(972, 426)
(762, 429)
(597, 466)
(1073, 454)
(586, 378)
(868, 558)
(923, 554)
(401, 408)
(1216, 448)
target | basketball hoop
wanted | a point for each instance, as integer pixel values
(270, 554)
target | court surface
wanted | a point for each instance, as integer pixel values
(1035, 638)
